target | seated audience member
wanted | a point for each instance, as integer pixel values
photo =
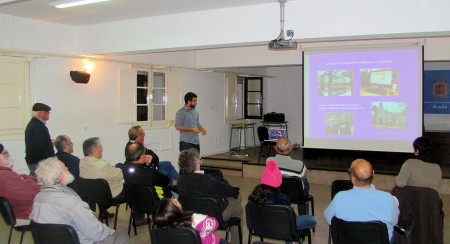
(93, 167)
(364, 202)
(137, 134)
(193, 182)
(64, 145)
(169, 214)
(289, 166)
(137, 172)
(420, 171)
(59, 204)
(20, 190)
(269, 193)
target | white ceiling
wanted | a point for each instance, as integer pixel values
(115, 10)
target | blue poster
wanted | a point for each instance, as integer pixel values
(436, 98)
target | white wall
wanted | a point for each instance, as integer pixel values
(284, 95)
(88, 110)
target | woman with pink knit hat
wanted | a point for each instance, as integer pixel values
(269, 193)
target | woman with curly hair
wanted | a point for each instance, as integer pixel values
(170, 214)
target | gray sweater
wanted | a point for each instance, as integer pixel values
(415, 172)
(60, 205)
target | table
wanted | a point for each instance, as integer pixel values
(242, 127)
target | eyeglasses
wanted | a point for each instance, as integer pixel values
(142, 134)
(5, 153)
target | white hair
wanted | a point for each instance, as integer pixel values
(49, 171)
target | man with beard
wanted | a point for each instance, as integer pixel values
(187, 122)
(59, 204)
(20, 190)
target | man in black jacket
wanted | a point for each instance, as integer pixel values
(137, 134)
(194, 182)
(64, 145)
(139, 171)
(38, 144)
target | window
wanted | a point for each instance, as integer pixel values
(14, 93)
(243, 97)
(148, 96)
(253, 98)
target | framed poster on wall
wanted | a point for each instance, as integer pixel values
(436, 99)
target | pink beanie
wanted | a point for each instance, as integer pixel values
(271, 175)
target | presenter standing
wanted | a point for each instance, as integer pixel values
(187, 122)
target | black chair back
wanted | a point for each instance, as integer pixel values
(203, 205)
(340, 185)
(210, 206)
(10, 218)
(142, 199)
(346, 232)
(337, 186)
(53, 234)
(263, 133)
(271, 221)
(7, 212)
(292, 186)
(179, 235)
(98, 191)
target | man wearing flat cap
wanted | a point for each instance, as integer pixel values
(38, 144)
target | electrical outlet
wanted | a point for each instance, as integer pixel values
(290, 33)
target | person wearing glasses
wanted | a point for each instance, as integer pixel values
(20, 190)
(38, 143)
(364, 202)
(64, 145)
(137, 134)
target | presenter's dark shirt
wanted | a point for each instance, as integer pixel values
(72, 162)
(38, 144)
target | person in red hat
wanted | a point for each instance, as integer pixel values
(38, 143)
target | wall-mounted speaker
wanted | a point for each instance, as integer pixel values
(80, 76)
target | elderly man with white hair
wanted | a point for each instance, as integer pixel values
(59, 204)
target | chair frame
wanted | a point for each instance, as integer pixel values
(37, 229)
(193, 233)
(104, 200)
(210, 207)
(341, 229)
(142, 199)
(292, 186)
(337, 186)
(261, 222)
(10, 218)
(262, 137)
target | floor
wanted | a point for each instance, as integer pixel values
(320, 192)
(324, 162)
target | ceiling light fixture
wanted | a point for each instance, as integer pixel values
(7, 1)
(72, 3)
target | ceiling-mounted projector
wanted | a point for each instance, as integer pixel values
(280, 43)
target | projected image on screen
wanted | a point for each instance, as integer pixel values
(379, 82)
(335, 83)
(367, 98)
(339, 123)
(389, 115)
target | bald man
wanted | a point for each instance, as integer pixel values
(364, 202)
(289, 166)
